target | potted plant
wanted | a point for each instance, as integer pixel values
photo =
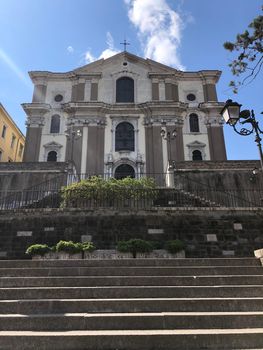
(69, 250)
(135, 246)
(175, 248)
(38, 251)
(88, 249)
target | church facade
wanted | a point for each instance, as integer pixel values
(115, 115)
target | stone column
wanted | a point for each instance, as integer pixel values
(32, 144)
(155, 90)
(95, 150)
(162, 90)
(77, 148)
(94, 91)
(210, 94)
(154, 152)
(84, 150)
(177, 145)
(216, 142)
(39, 94)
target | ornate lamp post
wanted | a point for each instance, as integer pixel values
(169, 136)
(72, 135)
(232, 115)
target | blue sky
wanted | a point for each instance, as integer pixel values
(61, 35)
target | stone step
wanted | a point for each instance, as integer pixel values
(132, 271)
(129, 321)
(131, 262)
(131, 292)
(92, 281)
(131, 305)
(134, 339)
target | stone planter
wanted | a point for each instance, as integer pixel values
(106, 254)
(259, 254)
(58, 255)
(100, 254)
(47, 256)
(114, 254)
(67, 256)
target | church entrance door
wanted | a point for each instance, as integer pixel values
(124, 170)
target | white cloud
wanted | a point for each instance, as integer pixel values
(89, 57)
(70, 49)
(110, 41)
(110, 51)
(159, 29)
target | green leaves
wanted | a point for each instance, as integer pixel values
(174, 246)
(62, 246)
(250, 59)
(38, 249)
(68, 247)
(98, 191)
(134, 246)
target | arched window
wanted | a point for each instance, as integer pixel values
(194, 123)
(124, 170)
(125, 90)
(124, 137)
(55, 124)
(52, 156)
(197, 155)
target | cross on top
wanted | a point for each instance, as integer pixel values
(125, 43)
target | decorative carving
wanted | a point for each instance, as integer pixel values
(35, 121)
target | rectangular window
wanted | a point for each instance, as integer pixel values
(13, 141)
(1, 155)
(4, 131)
(21, 148)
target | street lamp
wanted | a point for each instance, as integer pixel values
(169, 136)
(73, 135)
(232, 114)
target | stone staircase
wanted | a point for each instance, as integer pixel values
(131, 304)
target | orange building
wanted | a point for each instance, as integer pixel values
(12, 140)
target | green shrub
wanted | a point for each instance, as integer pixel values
(69, 247)
(157, 244)
(101, 191)
(88, 247)
(38, 249)
(134, 246)
(174, 246)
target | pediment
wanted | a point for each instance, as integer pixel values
(196, 144)
(150, 65)
(53, 144)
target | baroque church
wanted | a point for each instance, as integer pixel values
(111, 116)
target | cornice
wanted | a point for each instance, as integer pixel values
(163, 106)
(210, 76)
(44, 76)
(33, 109)
(211, 106)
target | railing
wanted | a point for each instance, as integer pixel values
(135, 199)
(249, 197)
(186, 193)
(160, 178)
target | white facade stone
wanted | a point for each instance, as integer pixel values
(98, 108)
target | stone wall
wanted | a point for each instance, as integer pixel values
(222, 176)
(216, 233)
(26, 175)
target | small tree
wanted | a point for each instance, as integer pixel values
(99, 191)
(249, 46)
(134, 246)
